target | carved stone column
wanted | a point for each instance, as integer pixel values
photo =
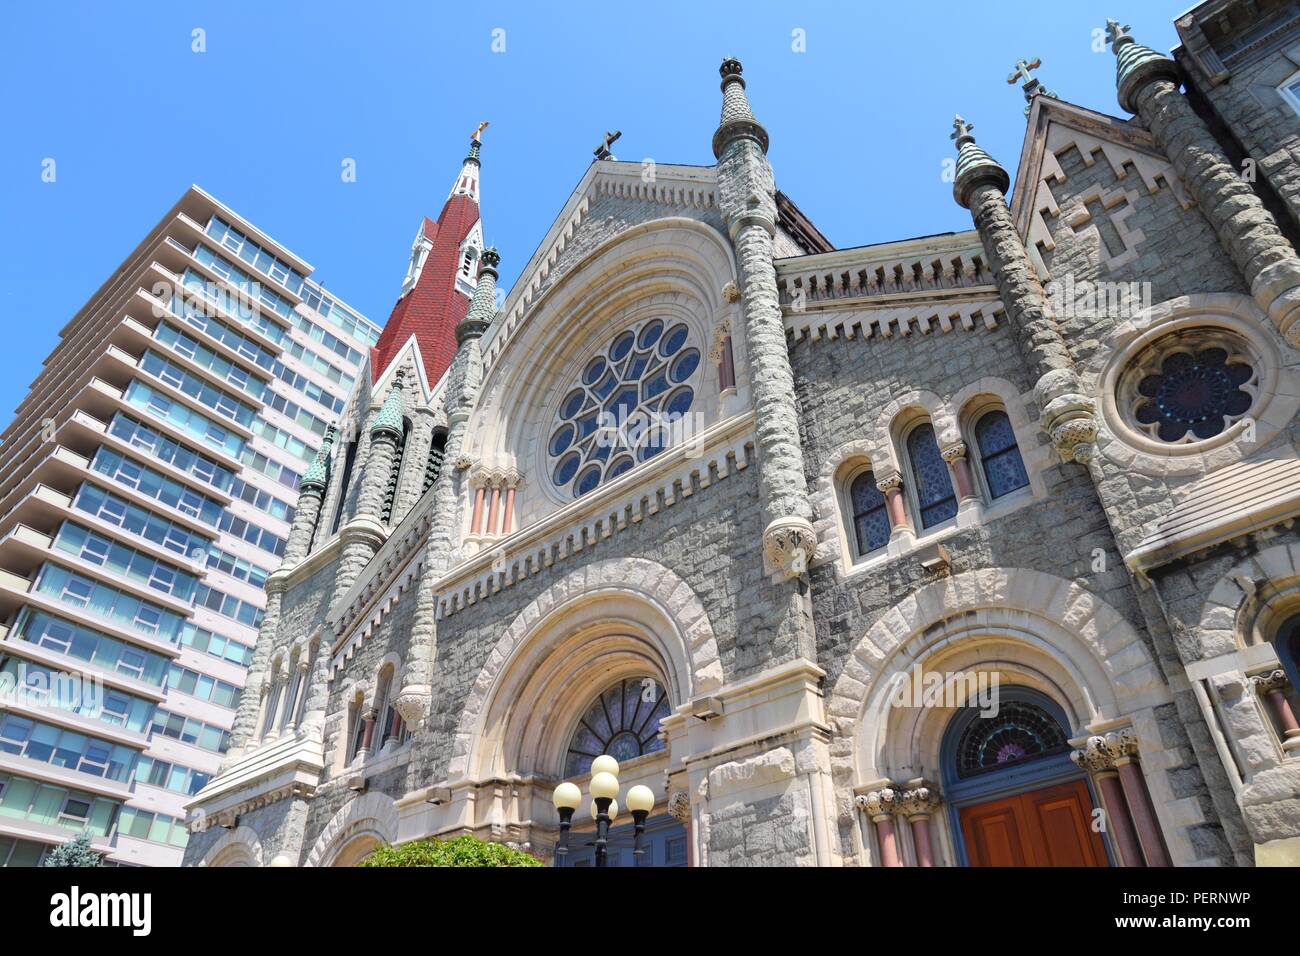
(1148, 86)
(880, 807)
(1096, 758)
(890, 484)
(918, 804)
(1272, 686)
(1120, 748)
(958, 459)
(747, 198)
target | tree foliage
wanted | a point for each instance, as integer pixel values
(461, 851)
(76, 852)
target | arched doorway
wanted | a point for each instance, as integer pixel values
(623, 722)
(356, 851)
(1015, 797)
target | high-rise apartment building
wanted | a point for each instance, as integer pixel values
(147, 485)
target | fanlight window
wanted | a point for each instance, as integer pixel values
(623, 722)
(623, 407)
(1019, 731)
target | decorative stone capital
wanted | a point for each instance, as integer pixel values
(721, 332)
(878, 804)
(731, 292)
(788, 545)
(679, 806)
(463, 462)
(1069, 419)
(413, 703)
(888, 481)
(1269, 681)
(919, 802)
(954, 451)
(1106, 751)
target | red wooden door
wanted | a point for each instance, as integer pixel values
(1048, 827)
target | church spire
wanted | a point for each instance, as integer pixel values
(1136, 64)
(738, 120)
(440, 277)
(467, 182)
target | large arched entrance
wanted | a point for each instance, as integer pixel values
(1014, 795)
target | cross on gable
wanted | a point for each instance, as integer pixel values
(602, 151)
(1022, 70)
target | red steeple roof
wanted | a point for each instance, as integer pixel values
(430, 308)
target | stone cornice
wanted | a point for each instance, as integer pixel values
(283, 768)
(980, 309)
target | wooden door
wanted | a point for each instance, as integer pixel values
(1048, 827)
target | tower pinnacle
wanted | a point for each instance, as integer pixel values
(974, 166)
(1136, 64)
(738, 120)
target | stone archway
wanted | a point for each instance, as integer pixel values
(234, 848)
(354, 831)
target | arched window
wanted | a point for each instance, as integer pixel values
(1004, 470)
(622, 722)
(1020, 731)
(390, 729)
(870, 520)
(272, 701)
(291, 690)
(349, 459)
(356, 730)
(931, 481)
(1287, 645)
(437, 451)
(467, 262)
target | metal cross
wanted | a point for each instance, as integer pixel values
(602, 151)
(1022, 70)
(960, 128)
(479, 132)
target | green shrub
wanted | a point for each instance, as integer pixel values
(76, 852)
(462, 851)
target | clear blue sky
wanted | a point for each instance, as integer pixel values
(287, 90)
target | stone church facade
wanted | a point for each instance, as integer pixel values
(969, 549)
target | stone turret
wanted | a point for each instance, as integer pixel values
(1147, 84)
(1065, 413)
(464, 379)
(748, 203)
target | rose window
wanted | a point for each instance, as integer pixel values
(625, 406)
(1190, 388)
(623, 722)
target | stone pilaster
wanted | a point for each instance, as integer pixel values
(1065, 413)
(1148, 86)
(464, 378)
(748, 205)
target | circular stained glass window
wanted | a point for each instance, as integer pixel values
(622, 408)
(1190, 387)
(623, 722)
(1019, 731)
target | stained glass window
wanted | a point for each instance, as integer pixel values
(622, 722)
(1196, 391)
(870, 521)
(622, 409)
(1019, 731)
(934, 491)
(1004, 471)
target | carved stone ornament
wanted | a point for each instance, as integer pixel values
(954, 451)
(788, 545)
(731, 292)
(919, 802)
(878, 803)
(887, 482)
(679, 806)
(1070, 421)
(413, 704)
(1269, 681)
(1102, 751)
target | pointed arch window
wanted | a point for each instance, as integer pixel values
(870, 519)
(931, 480)
(1004, 469)
(622, 722)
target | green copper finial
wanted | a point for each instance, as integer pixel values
(738, 120)
(317, 476)
(1136, 65)
(482, 306)
(389, 420)
(474, 143)
(1033, 86)
(974, 166)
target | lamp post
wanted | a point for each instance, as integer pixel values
(604, 807)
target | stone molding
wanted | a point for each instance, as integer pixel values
(1104, 752)
(370, 814)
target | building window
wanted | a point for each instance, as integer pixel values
(1004, 471)
(870, 519)
(638, 385)
(349, 460)
(1021, 731)
(1189, 386)
(1290, 91)
(622, 722)
(1287, 646)
(931, 481)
